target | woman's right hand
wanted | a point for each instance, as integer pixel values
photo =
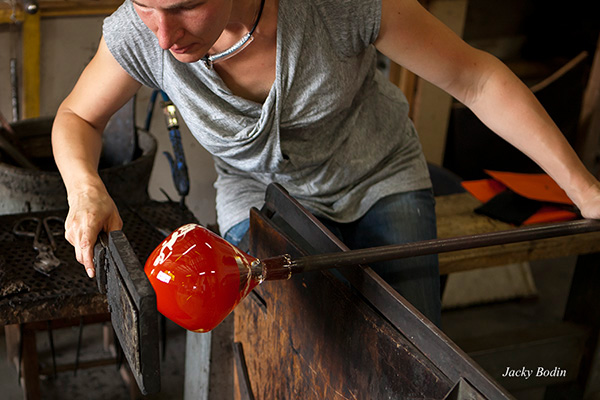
(102, 89)
(91, 210)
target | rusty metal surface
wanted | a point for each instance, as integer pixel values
(40, 297)
(27, 189)
(321, 339)
(428, 338)
(325, 341)
(70, 293)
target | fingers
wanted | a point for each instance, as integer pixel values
(87, 255)
(84, 222)
(81, 232)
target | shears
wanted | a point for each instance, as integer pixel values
(45, 261)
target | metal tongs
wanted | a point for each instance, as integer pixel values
(45, 261)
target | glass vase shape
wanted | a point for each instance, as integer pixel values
(198, 277)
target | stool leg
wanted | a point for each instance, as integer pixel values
(78, 346)
(30, 366)
(51, 339)
(11, 335)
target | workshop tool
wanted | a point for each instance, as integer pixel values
(45, 261)
(132, 304)
(14, 89)
(178, 166)
(338, 322)
(164, 232)
(176, 161)
(199, 278)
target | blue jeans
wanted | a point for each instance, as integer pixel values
(235, 234)
(399, 218)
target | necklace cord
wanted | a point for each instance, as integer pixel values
(209, 60)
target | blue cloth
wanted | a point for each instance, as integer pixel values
(395, 219)
(237, 232)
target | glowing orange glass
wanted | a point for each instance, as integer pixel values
(198, 277)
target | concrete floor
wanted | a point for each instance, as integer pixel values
(101, 383)
(552, 279)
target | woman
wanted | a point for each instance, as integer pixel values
(300, 102)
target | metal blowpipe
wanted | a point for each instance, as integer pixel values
(199, 278)
(437, 246)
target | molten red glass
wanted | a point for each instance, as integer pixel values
(198, 277)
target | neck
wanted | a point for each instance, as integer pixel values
(209, 60)
(244, 15)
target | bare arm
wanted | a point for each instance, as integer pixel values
(101, 90)
(413, 38)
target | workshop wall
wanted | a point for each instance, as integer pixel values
(536, 40)
(68, 44)
(507, 28)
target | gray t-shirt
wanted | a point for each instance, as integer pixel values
(333, 130)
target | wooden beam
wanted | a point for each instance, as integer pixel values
(588, 141)
(31, 65)
(31, 25)
(68, 8)
(62, 8)
(8, 17)
(429, 105)
(432, 105)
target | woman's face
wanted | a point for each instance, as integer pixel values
(187, 28)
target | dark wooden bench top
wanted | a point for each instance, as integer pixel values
(456, 218)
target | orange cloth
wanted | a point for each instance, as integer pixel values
(532, 186)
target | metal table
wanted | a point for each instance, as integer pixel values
(32, 301)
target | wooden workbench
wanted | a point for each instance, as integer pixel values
(456, 218)
(311, 337)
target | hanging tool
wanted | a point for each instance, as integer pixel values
(178, 166)
(14, 89)
(45, 261)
